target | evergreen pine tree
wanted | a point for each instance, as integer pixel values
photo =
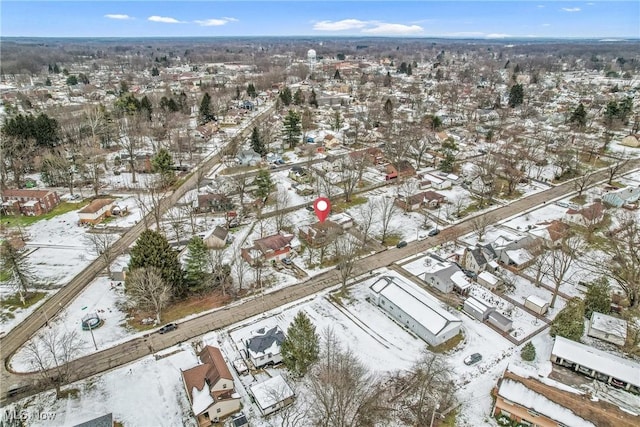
(300, 347)
(285, 96)
(146, 108)
(312, 99)
(264, 183)
(336, 75)
(579, 116)
(162, 163)
(528, 352)
(251, 90)
(237, 92)
(516, 95)
(569, 322)
(205, 115)
(155, 71)
(292, 129)
(47, 82)
(256, 142)
(153, 250)
(598, 297)
(409, 70)
(196, 262)
(56, 69)
(387, 80)
(298, 98)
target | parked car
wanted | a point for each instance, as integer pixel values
(434, 232)
(287, 261)
(168, 328)
(470, 274)
(309, 208)
(474, 358)
(401, 244)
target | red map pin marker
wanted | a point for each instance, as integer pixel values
(322, 206)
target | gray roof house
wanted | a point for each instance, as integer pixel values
(438, 273)
(623, 196)
(263, 347)
(248, 158)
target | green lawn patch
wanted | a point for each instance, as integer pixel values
(340, 205)
(13, 302)
(23, 221)
(448, 345)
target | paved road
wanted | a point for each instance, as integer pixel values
(132, 350)
(11, 342)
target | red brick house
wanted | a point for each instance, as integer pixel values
(320, 234)
(216, 202)
(399, 170)
(29, 202)
(275, 247)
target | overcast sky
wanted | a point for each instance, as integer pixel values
(424, 18)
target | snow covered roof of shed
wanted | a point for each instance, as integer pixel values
(611, 325)
(271, 391)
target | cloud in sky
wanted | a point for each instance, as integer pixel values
(571, 9)
(393, 29)
(164, 19)
(497, 36)
(368, 27)
(345, 24)
(215, 22)
(117, 16)
(546, 25)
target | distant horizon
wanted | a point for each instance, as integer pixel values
(426, 19)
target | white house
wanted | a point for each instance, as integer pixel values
(210, 388)
(608, 328)
(95, 211)
(264, 346)
(439, 183)
(415, 309)
(438, 273)
(272, 394)
(216, 237)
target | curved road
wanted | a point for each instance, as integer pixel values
(137, 348)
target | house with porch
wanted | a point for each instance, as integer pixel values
(438, 273)
(28, 202)
(95, 211)
(263, 347)
(210, 388)
(274, 247)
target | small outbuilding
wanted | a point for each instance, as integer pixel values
(477, 309)
(536, 304)
(272, 395)
(500, 321)
(489, 280)
(608, 328)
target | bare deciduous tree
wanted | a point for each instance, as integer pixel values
(583, 181)
(101, 245)
(480, 223)
(344, 392)
(386, 209)
(346, 250)
(281, 203)
(560, 261)
(148, 290)
(50, 355)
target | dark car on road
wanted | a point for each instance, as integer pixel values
(474, 358)
(168, 328)
(434, 232)
(401, 244)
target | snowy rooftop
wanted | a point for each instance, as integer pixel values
(536, 300)
(201, 399)
(520, 394)
(271, 391)
(488, 277)
(598, 360)
(415, 302)
(609, 324)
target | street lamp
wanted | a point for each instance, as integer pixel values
(433, 415)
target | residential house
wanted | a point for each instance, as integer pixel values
(208, 130)
(511, 249)
(95, 211)
(608, 328)
(215, 202)
(623, 196)
(29, 202)
(551, 232)
(438, 273)
(411, 202)
(529, 401)
(263, 347)
(433, 200)
(274, 247)
(598, 364)
(433, 181)
(210, 388)
(216, 238)
(299, 175)
(272, 395)
(587, 216)
(320, 234)
(415, 309)
(304, 189)
(402, 169)
(345, 221)
(248, 158)
(474, 259)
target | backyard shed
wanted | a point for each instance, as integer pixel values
(536, 304)
(477, 309)
(500, 321)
